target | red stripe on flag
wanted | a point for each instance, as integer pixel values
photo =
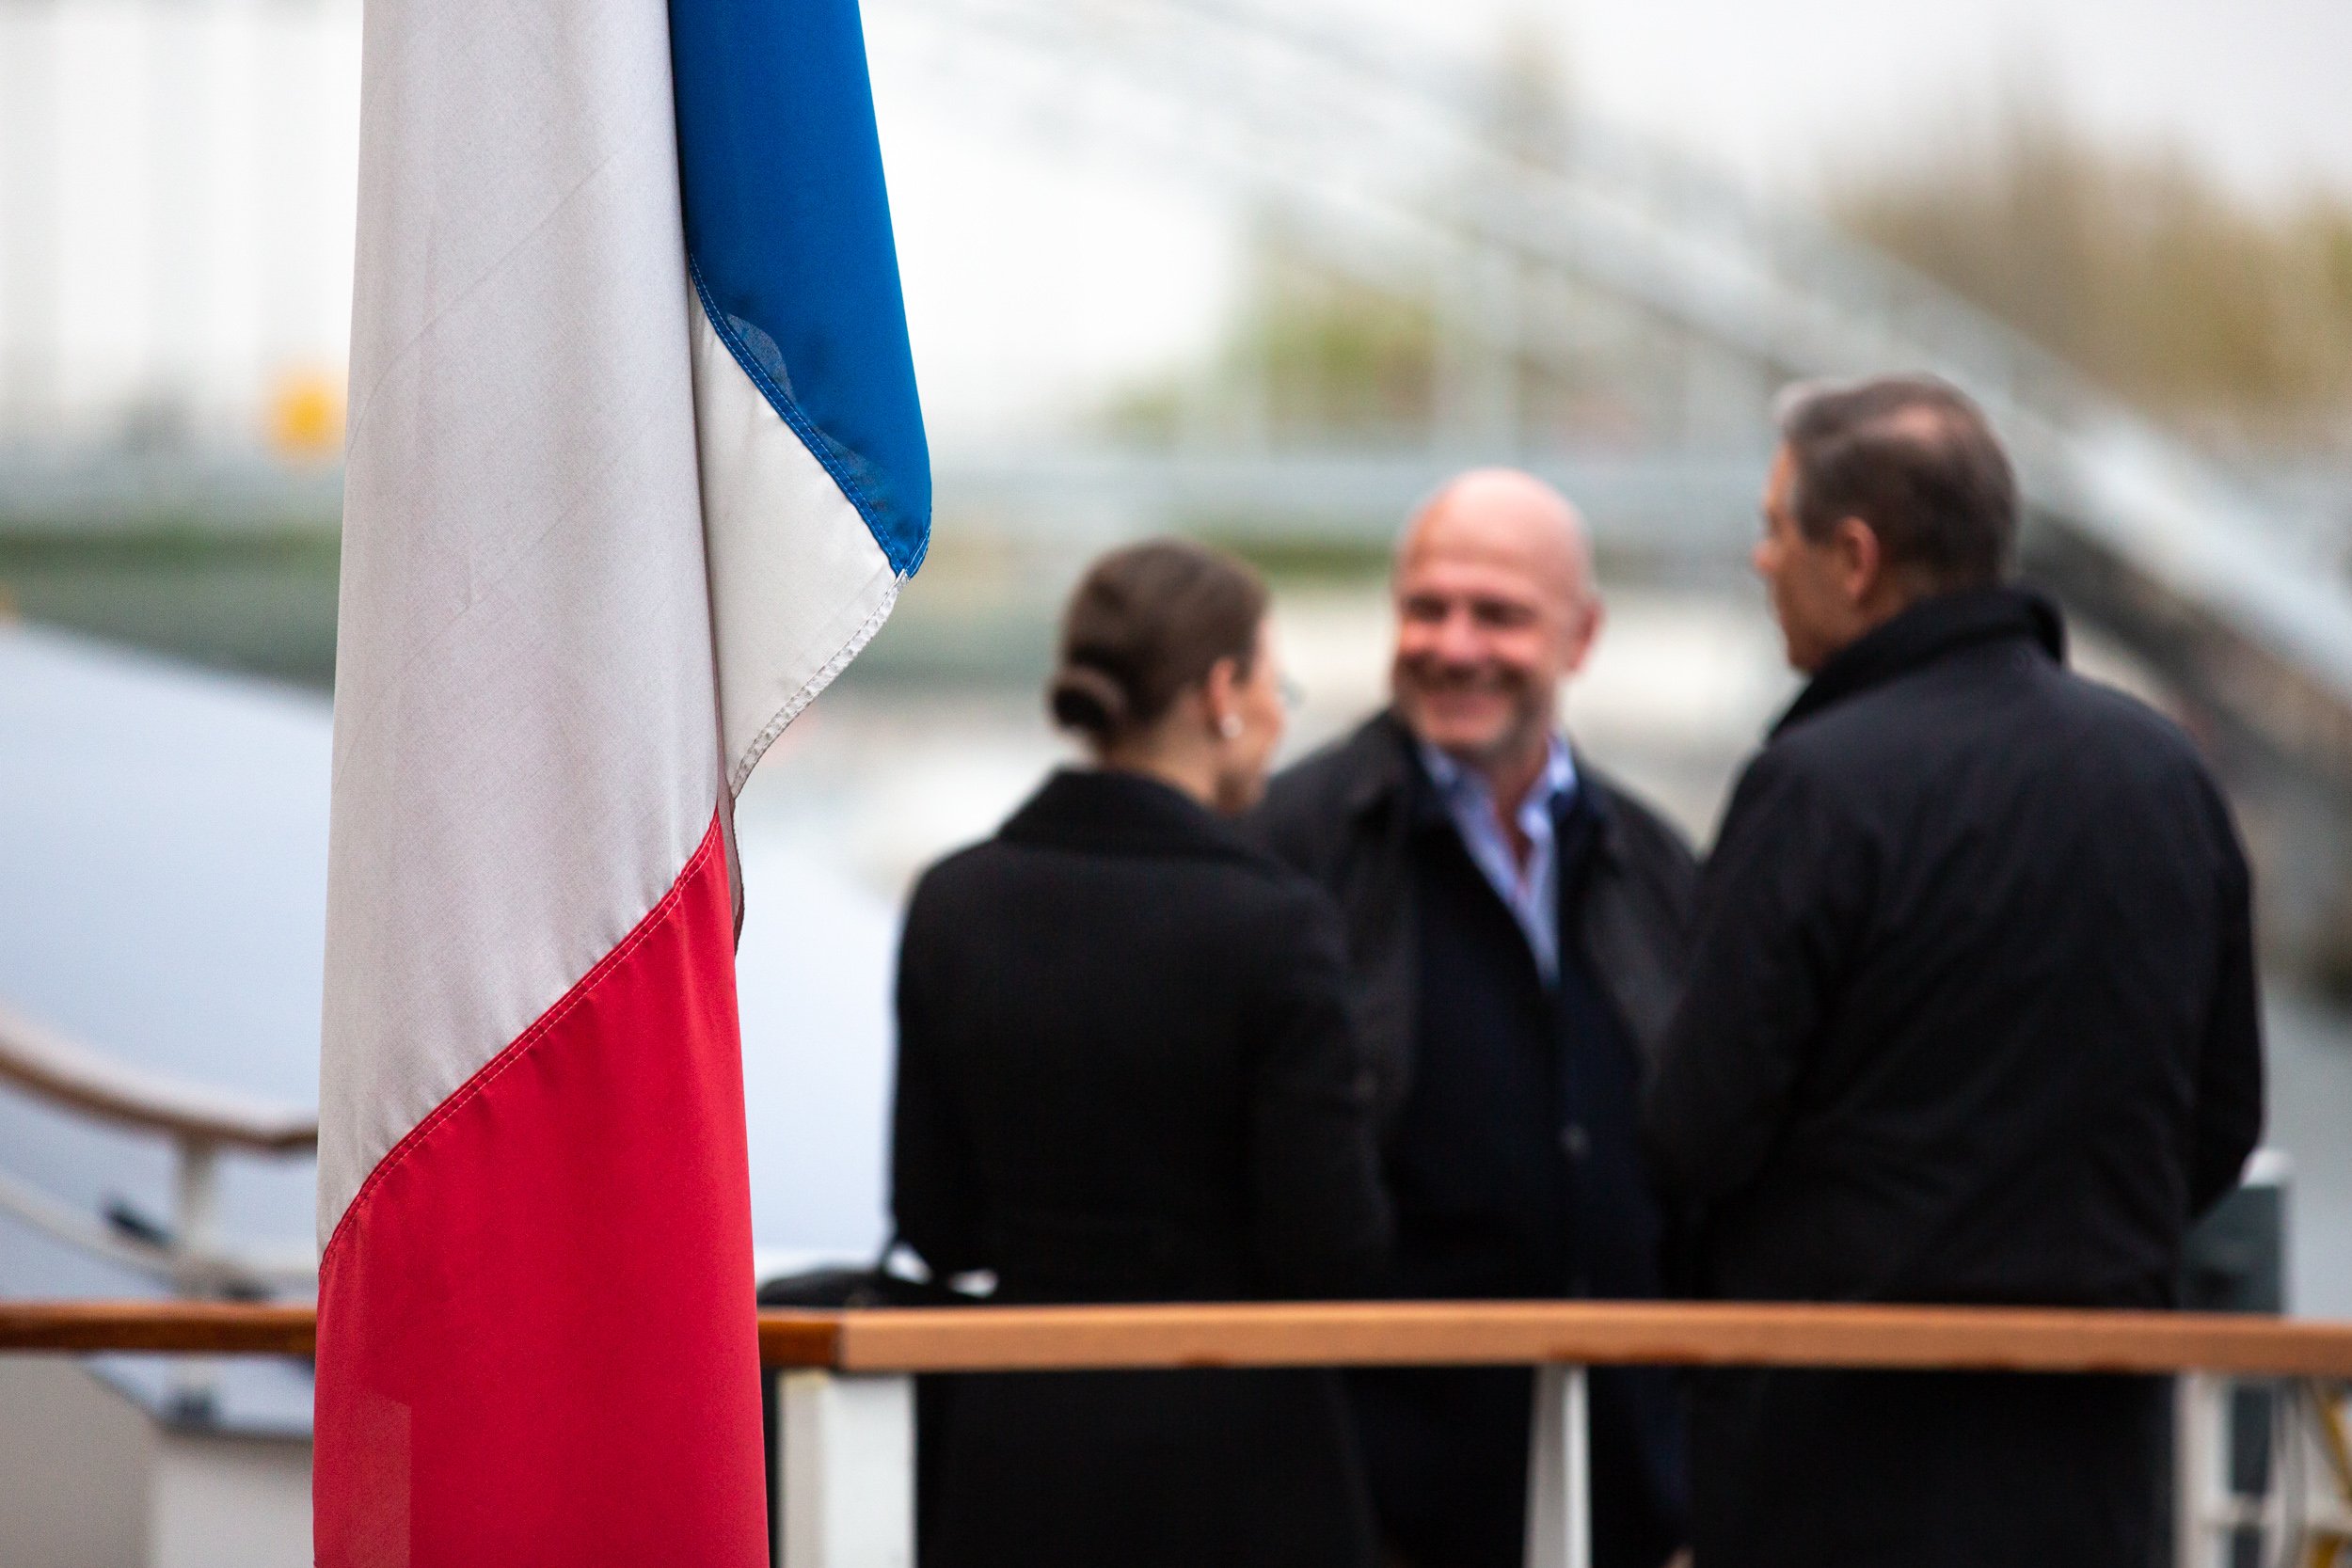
(536, 1341)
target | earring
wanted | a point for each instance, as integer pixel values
(1230, 727)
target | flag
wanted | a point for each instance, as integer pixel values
(635, 467)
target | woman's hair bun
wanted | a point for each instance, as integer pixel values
(1143, 625)
(1087, 699)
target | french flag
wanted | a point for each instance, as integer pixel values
(636, 467)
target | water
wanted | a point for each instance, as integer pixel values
(880, 781)
(162, 884)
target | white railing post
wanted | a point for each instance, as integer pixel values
(845, 1471)
(195, 1210)
(195, 1379)
(2198, 1500)
(1559, 1487)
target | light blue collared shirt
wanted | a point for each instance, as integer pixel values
(1530, 893)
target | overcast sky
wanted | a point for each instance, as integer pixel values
(2255, 88)
(1045, 264)
(1039, 274)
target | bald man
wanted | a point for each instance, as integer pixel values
(1519, 926)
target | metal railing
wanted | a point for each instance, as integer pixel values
(845, 1450)
(187, 1253)
(200, 1123)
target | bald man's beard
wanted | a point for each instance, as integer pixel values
(1532, 707)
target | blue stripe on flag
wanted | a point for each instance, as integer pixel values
(788, 236)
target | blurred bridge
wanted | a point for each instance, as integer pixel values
(1421, 176)
(1538, 241)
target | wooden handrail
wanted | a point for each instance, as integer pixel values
(1592, 1334)
(1364, 1334)
(214, 1329)
(49, 1065)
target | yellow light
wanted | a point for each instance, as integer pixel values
(305, 415)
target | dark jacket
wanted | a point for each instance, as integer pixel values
(1127, 1074)
(1344, 816)
(1508, 1128)
(1973, 1020)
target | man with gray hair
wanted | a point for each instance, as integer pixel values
(1516, 925)
(1971, 1019)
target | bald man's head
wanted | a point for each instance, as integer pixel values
(1494, 608)
(1510, 517)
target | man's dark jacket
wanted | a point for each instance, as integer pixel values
(1507, 1119)
(1972, 1019)
(1344, 815)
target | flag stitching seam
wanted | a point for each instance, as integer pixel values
(513, 1052)
(813, 686)
(814, 440)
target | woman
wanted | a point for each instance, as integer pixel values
(1125, 1073)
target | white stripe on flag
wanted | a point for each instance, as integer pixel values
(797, 583)
(526, 748)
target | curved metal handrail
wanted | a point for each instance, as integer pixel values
(47, 1064)
(201, 1270)
(199, 1123)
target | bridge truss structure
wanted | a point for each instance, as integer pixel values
(1421, 181)
(1509, 217)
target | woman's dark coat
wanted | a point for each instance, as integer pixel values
(1127, 1074)
(1972, 1019)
